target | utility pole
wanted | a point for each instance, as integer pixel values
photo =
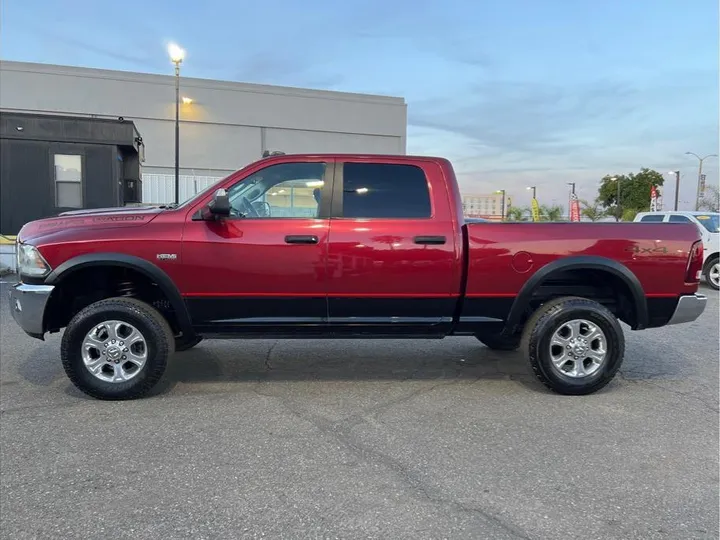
(677, 187)
(502, 205)
(701, 183)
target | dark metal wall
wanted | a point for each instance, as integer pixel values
(27, 175)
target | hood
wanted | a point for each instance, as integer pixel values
(116, 210)
(90, 218)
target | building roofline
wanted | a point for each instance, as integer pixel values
(131, 76)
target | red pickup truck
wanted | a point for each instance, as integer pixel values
(344, 246)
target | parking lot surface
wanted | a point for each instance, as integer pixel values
(364, 439)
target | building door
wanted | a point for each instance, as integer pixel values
(263, 269)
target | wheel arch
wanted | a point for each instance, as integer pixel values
(610, 267)
(130, 262)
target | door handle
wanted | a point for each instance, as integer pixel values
(430, 240)
(301, 239)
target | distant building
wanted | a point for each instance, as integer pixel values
(223, 125)
(483, 206)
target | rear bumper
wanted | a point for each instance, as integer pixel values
(689, 308)
(27, 305)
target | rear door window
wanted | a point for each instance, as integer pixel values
(679, 219)
(652, 218)
(385, 190)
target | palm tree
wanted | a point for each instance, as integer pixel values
(711, 200)
(592, 211)
(515, 213)
(551, 213)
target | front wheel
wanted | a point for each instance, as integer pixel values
(575, 346)
(116, 348)
(712, 274)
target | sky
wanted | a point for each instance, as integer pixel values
(515, 92)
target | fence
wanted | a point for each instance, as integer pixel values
(160, 188)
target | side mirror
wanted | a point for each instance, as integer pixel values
(219, 207)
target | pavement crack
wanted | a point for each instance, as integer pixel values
(341, 433)
(269, 353)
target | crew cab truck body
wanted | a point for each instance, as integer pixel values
(316, 246)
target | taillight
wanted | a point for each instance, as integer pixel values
(695, 262)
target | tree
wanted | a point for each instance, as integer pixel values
(592, 211)
(711, 200)
(515, 213)
(634, 191)
(551, 213)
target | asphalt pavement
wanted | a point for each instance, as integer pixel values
(364, 439)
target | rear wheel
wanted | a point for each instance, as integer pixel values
(575, 346)
(116, 348)
(712, 273)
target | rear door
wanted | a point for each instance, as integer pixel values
(262, 270)
(394, 264)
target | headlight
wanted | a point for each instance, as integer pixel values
(30, 262)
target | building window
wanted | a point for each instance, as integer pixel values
(68, 181)
(385, 190)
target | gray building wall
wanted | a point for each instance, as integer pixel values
(225, 127)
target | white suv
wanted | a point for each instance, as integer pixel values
(709, 225)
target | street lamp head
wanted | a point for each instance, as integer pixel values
(187, 100)
(499, 191)
(177, 54)
(530, 187)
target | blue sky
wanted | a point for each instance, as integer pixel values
(516, 93)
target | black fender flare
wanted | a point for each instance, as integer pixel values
(581, 262)
(145, 267)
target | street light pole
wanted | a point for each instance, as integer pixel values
(572, 184)
(502, 205)
(677, 187)
(700, 182)
(176, 56)
(534, 190)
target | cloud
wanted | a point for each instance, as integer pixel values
(284, 67)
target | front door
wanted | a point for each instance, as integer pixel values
(263, 269)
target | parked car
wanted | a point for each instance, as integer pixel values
(385, 253)
(708, 223)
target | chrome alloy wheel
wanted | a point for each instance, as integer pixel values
(578, 348)
(114, 351)
(714, 274)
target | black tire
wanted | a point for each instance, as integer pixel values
(548, 318)
(183, 343)
(501, 343)
(147, 320)
(708, 267)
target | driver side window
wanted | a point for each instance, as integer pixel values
(285, 190)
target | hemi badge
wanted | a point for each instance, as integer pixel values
(167, 256)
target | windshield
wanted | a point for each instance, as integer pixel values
(710, 221)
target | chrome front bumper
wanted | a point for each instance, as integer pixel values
(689, 308)
(27, 304)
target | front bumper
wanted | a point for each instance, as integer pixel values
(689, 308)
(27, 304)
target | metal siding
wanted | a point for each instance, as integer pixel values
(26, 184)
(222, 128)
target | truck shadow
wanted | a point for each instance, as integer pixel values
(326, 360)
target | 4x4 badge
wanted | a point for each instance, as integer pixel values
(638, 249)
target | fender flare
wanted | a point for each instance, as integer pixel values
(582, 262)
(145, 267)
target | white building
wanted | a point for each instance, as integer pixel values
(488, 206)
(225, 125)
